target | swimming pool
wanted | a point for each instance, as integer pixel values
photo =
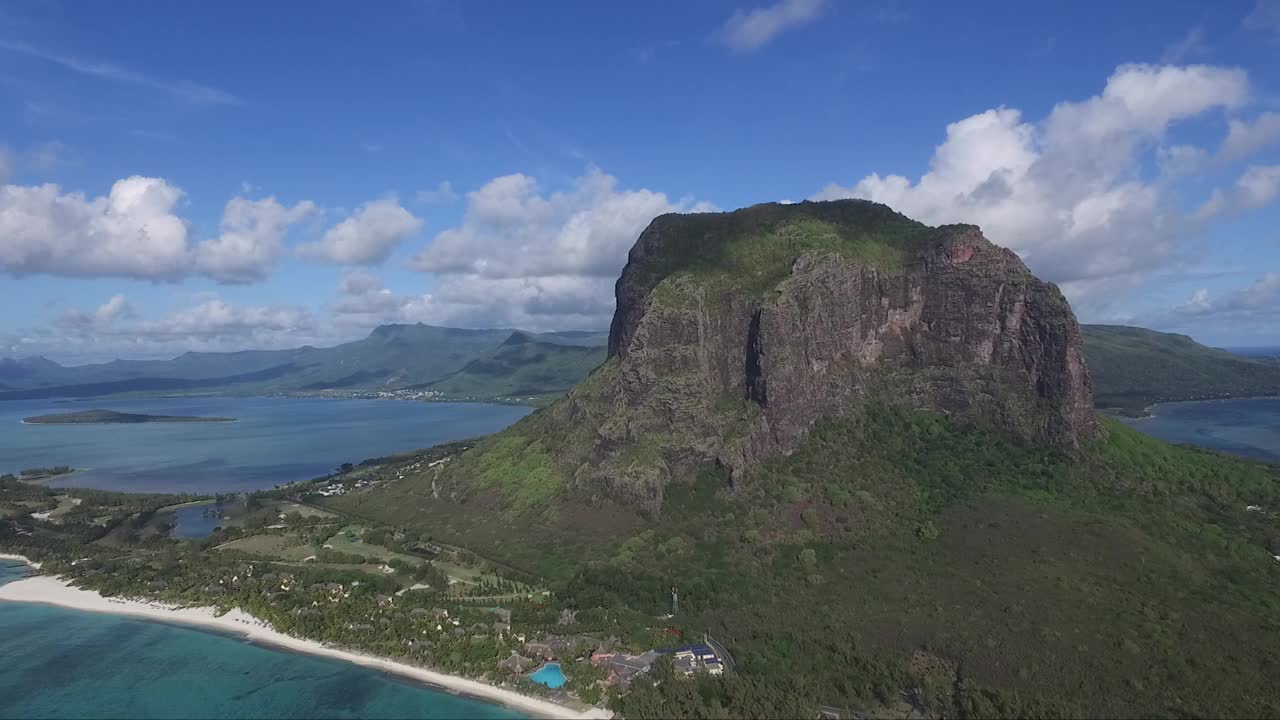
(549, 675)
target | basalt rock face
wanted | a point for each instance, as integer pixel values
(734, 333)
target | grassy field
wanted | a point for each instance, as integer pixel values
(305, 511)
(285, 547)
(348, 540)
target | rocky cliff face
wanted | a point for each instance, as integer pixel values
(735, 332)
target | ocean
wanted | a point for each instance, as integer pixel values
(1248, 427)
(57, 663)
(273, 441)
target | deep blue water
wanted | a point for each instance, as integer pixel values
(57, 663)
(1248, 427)
(274, 441)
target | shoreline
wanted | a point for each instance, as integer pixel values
(50, 590)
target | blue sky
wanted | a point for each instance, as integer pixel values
(230, 175)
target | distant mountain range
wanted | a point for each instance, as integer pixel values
(1131, 367)
(449, 363)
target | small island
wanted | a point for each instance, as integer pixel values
(85, 417)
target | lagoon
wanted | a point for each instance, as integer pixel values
(275, 440)
(59, 663)
(1247, 427)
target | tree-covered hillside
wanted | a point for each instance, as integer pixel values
(1129, 580)
(1134, 367)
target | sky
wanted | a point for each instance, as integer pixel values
(219, 176)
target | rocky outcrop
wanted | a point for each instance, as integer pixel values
(712, 363)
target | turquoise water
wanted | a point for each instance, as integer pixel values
(1248, 427)
(275, 441)
(550, 675)
(57, 663)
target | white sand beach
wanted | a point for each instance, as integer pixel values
(19, 558)
(50, 590)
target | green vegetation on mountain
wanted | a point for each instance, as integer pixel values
(1128, 580)
(84, 417)
(754, 247)
(521, 367)
(1133, 368)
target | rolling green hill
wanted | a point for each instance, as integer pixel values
(392, 357)
(522, 367)
(1134, 367)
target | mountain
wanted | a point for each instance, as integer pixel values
(863, 454)
(1134, 367)
(522, 367)
(392, 357)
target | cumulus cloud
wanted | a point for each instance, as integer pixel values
(367, 237)
(538, 260)
(511, 229)
(536, 304)
(753, 29)
(135, 232)
(251, 239)
(1256, 187)
(1066, 192)
(1246, 138)
(1251, 311)
(131, 232)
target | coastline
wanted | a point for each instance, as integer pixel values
(50, 590)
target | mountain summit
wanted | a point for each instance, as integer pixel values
(735, 332)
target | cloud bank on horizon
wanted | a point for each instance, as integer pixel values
(1093, 194)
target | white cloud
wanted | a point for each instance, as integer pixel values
(526, 258)
(135, 232)
(192, 92)
(751, 30)
(131, 232)
(214, 318)
(1066, 192)
(1256, 187)
(1198, 304)
(1252, 310)
(251, 239)
(106, 314)
(512, 230)
(367, 237)
(536, 304)
(1245, 138)
(209, 323)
